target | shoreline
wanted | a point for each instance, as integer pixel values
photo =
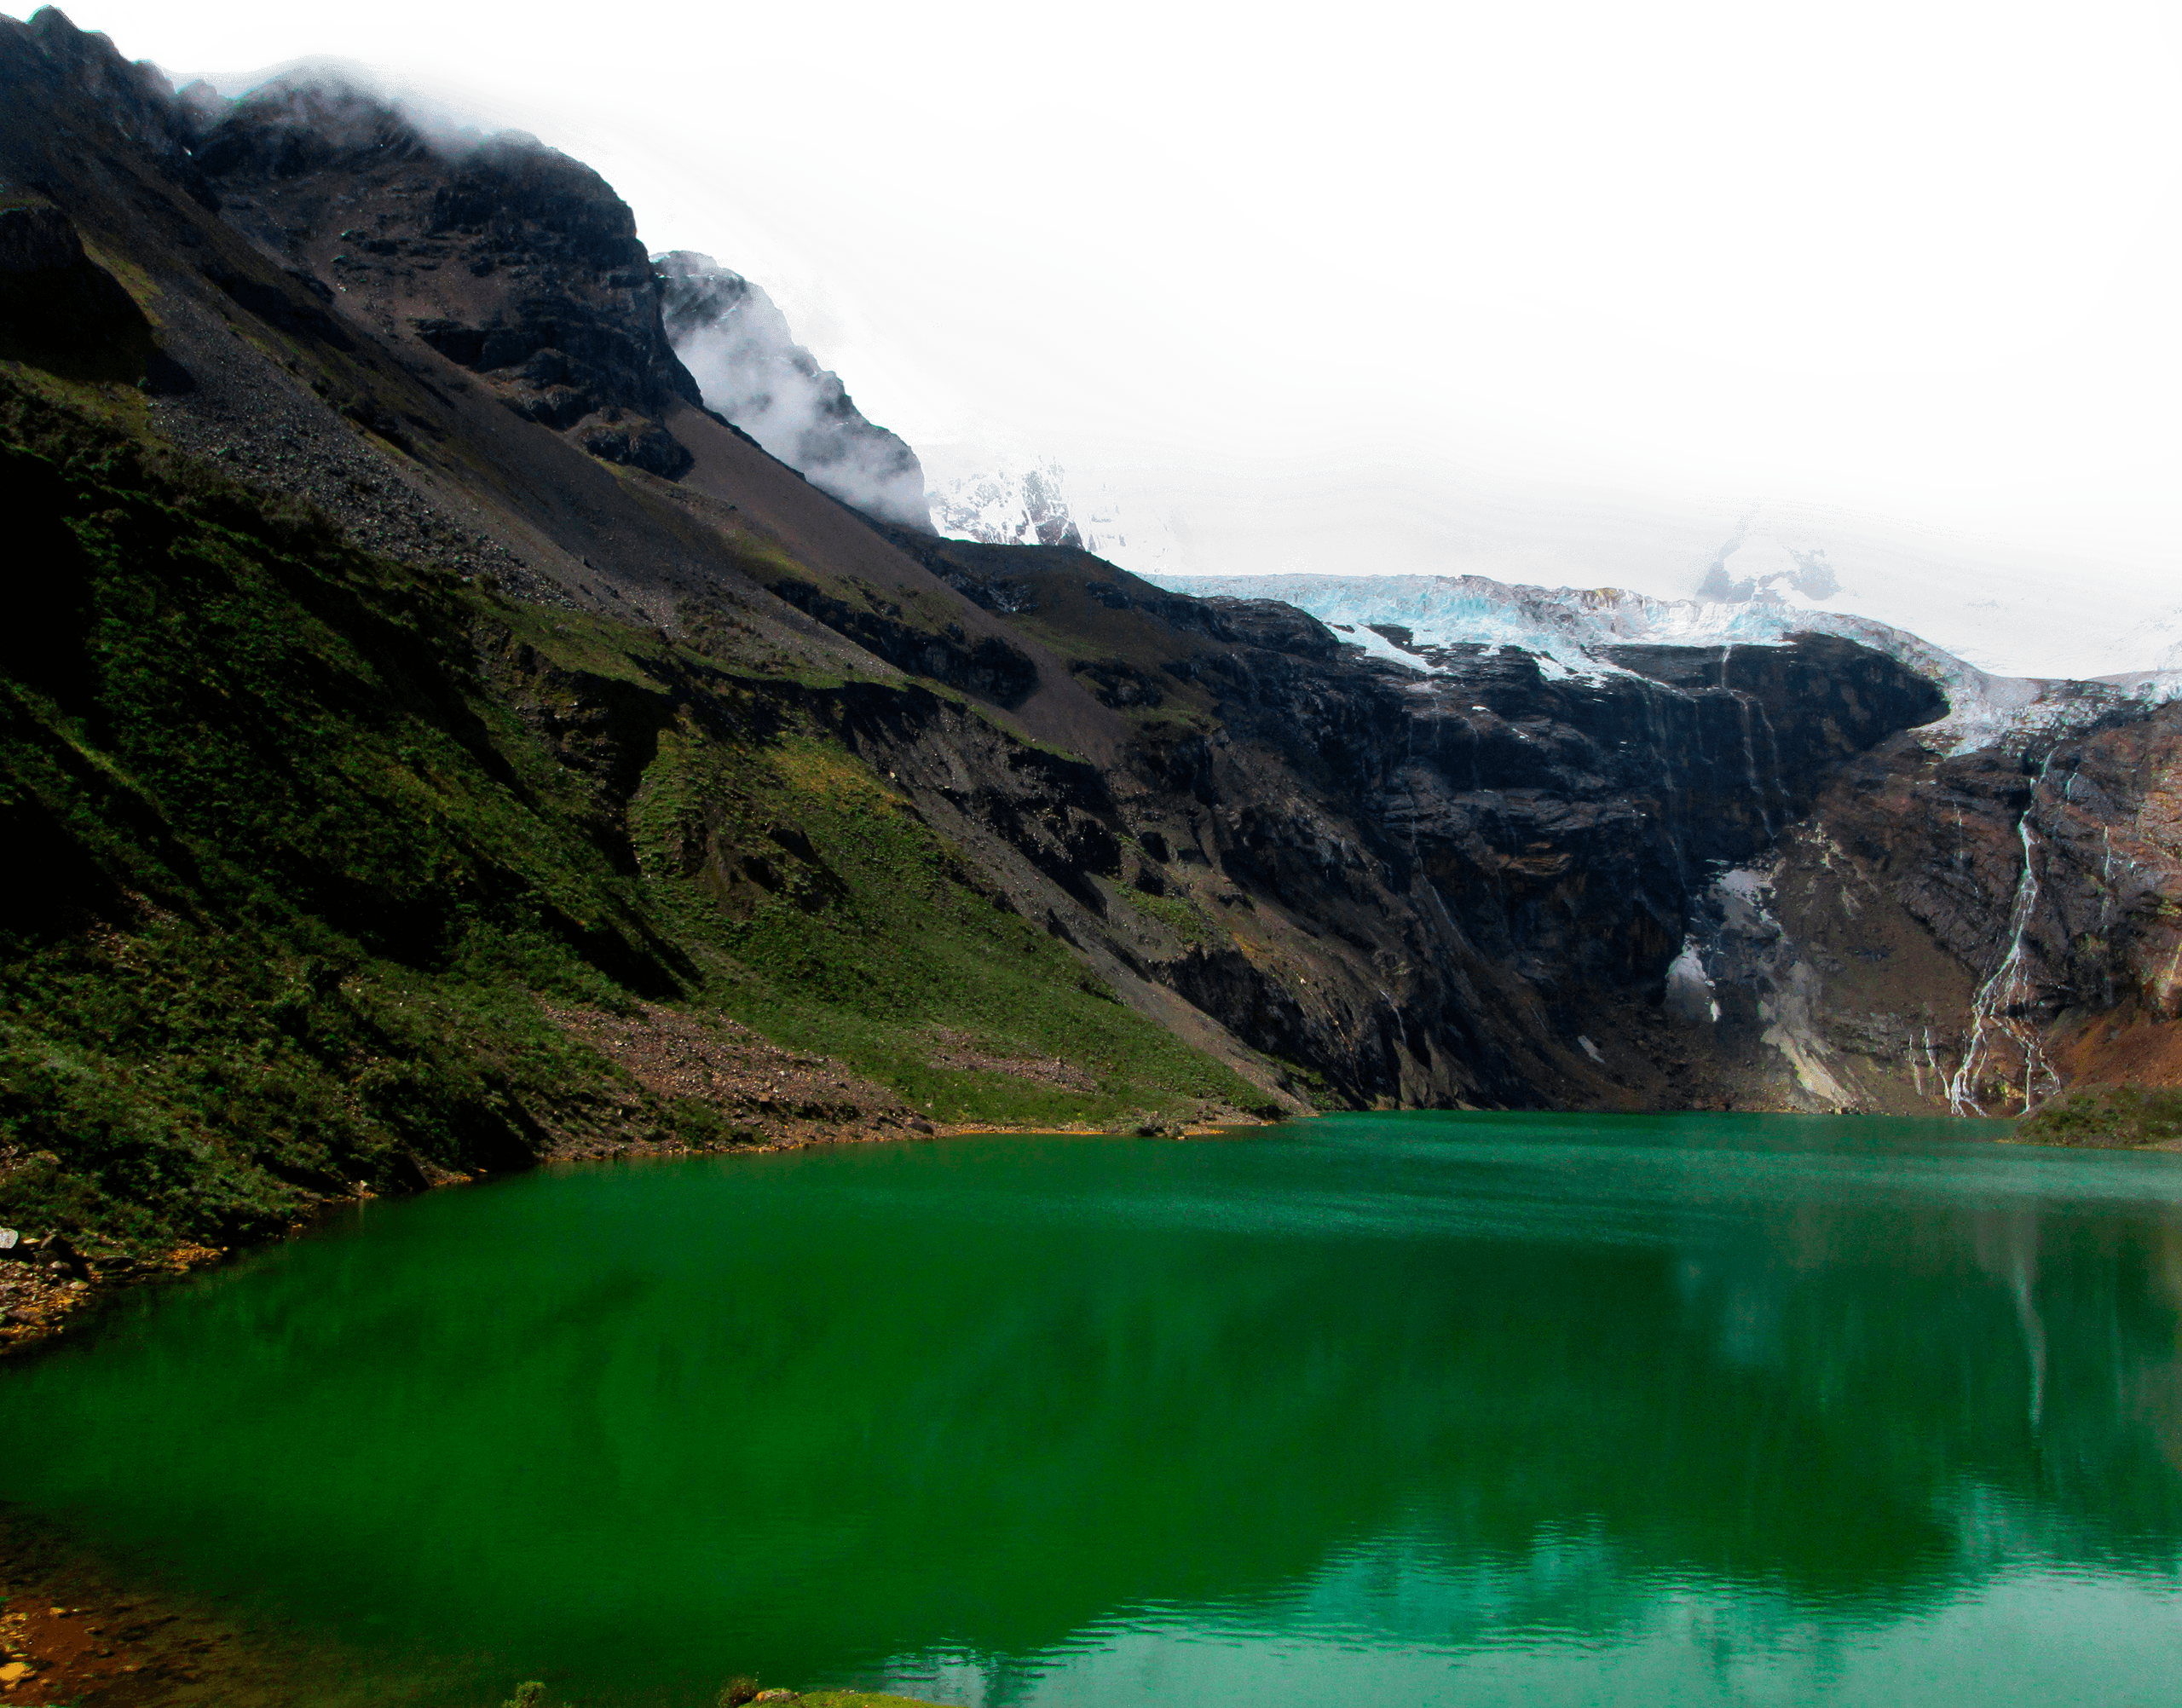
(43, 1298)
(78, 1631)
(75, 1629)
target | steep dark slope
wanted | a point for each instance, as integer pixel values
(347, 795)
(503, 271)
(318, 854)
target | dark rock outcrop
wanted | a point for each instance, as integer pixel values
(987, 667)
(61, 309)
(502, 256)
(1463, 880)
(1553, 832)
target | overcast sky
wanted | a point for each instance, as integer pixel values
(1847, 186)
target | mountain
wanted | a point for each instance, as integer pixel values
(434, 739)
(1009, 499)
(1059, 294)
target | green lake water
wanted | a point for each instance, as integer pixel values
(1390, 1409)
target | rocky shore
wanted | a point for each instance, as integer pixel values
(46, 1283)
(74, 1631)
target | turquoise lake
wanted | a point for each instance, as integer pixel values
(1414, 1409)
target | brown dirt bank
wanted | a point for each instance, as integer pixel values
(75, 1631)
(44, 1288)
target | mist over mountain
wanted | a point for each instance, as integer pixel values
(1882, 186)
(737, 346)
(1220, 402)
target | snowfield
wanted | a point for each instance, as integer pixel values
(1059, 297)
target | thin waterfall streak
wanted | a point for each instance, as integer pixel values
(1656, 721)
(1696, 738)
(1750, 767)
(1989, 1008)
(2167, 984)
(2106, 879)
(1409, 776)
(1773, 747)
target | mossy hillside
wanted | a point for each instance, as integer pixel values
(827, 914)
(916, 611)
(846, 924)
(292, 872)
(1182, 916)
(2124, 1118)
(278, 894)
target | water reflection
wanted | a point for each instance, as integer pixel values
(1434, 1410)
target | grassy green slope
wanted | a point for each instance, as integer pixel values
(2123, 1118)
(301, 836)
(881, 935)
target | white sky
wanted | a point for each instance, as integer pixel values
(1059, 287)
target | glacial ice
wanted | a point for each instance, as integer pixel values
(1569, 630)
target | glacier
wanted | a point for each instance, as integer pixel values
(1573, 630)
(1201, 398)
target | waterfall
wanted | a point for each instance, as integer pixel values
(1990, 1010)
(1932, 1061)
(1656, 705)
(1750, 766)
(1745, 703)
(1773, 747)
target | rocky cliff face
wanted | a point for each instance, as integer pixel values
(510, 260)
(1467, 882)
(1974, 931)
(1487, 846)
